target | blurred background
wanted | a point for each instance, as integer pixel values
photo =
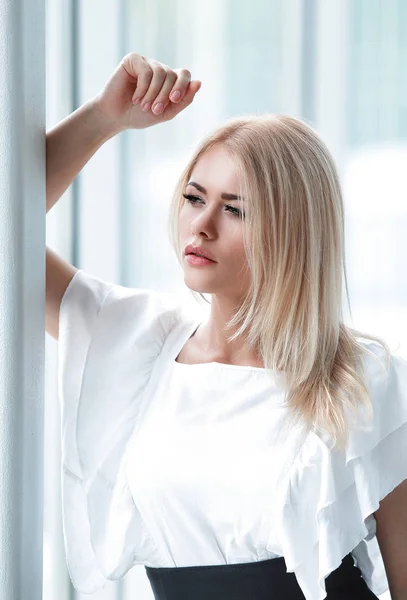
(340, 64)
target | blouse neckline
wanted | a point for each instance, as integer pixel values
(182, 340)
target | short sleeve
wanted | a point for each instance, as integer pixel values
(79, 311)
(328, 504)
(109, 338)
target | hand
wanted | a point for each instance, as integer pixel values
(145, 80)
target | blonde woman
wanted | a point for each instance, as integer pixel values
(227, 454)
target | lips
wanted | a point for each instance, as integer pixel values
(198, 251)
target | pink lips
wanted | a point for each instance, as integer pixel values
(190, 249)
(192, 259)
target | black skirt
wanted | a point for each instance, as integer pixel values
(263, 580)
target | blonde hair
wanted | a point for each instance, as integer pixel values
(294, 240)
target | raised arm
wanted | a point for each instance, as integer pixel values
(71, 143)
(74, 140)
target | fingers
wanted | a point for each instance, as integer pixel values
(159, 88)
(173, 90)
(174, 108)
(156, 84)
(151, 80)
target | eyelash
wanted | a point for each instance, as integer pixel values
(194, 199)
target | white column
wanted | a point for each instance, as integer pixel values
(22, 296)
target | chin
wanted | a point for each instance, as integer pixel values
(199, 287)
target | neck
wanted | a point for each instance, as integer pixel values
(212, 340)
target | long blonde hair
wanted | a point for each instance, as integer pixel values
(294, 240)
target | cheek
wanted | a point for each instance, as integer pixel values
(237, 244)
(183, 220)
(238, 255)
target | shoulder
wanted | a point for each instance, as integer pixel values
(139, 312)
(92, 305)
(111, 333)
(386, 382)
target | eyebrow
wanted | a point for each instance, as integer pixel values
(224, 195)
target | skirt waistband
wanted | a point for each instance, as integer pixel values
(260, 580)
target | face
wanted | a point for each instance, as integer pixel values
(216, 224)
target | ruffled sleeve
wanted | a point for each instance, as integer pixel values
(327, 506)
(109, 338)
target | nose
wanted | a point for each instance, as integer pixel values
(204, 223)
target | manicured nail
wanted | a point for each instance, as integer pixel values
(175, 96)
(158, 108)
(146, 106)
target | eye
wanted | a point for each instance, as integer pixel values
(195, 200)
(192, 199)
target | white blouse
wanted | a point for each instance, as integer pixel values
(170, 465)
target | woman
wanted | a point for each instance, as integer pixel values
(220, 453)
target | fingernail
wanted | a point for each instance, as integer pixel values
(175, 96)
(146, 106)
(158, 108)
(136, 101)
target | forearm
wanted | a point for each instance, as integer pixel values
(71, 144)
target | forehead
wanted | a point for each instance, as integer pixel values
(216, 171)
